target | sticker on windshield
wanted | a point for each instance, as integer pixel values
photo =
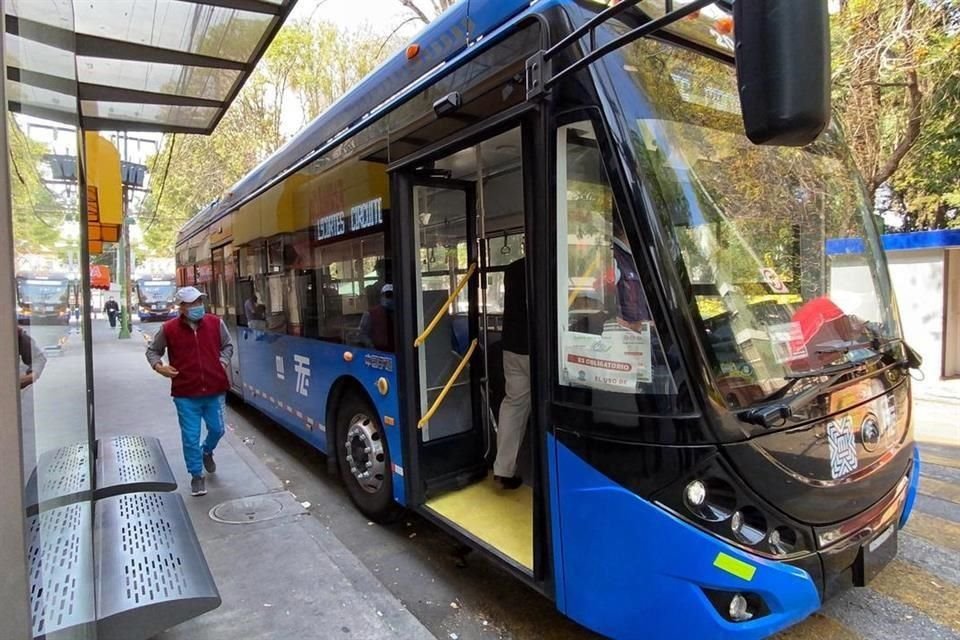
(617, 360)
(772, 278)
(843, 447)
(787, 342)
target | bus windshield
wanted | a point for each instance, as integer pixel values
(42, 291)
(780, 252)
(152, 291)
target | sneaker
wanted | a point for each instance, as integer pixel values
(508, 483)
(208, 463)
(198, 487)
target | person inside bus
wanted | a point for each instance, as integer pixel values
(515, 408)
(375, 290)
(376, 325)
(255, 312)
(632, 309)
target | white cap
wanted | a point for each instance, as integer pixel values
(188, 295)
(387, 288)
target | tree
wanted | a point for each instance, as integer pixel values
(310, 64)
(427, 10)
(894, 64)
(38, 214)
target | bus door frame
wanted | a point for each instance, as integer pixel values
(461, 454)
(539, 185)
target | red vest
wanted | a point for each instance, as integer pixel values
(196, 355)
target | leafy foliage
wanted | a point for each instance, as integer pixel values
(307, 67)
(897, 87)
(37, 213)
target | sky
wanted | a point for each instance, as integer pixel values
(382, 15)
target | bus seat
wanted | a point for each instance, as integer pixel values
(460, 334)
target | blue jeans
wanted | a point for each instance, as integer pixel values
(190, 411)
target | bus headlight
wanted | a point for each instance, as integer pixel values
(711, 498)
(696, 494)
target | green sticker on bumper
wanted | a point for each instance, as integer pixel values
(735, 567)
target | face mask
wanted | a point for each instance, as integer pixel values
(196, 313)
(387, 303)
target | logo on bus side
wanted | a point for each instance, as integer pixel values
(301, 364)
(843, 447)
(280, 373)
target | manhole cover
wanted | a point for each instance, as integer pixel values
(249, 510)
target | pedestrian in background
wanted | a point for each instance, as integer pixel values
(112, 309)
(200, 350)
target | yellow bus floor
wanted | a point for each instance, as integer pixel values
(501, 519)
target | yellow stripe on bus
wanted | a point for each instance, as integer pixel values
(937, 530)
(933, 596)
(818, 627)
(735, 567)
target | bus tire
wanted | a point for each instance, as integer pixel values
(364, 459)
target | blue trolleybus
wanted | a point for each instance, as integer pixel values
(155, 297)
(720, 430)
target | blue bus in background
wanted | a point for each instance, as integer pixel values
(155, 297)
(720, 436)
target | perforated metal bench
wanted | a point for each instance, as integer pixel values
(123, 464)
(60, 557)
(127, 464)
(137, 552)
(151, 573)
(118, 555)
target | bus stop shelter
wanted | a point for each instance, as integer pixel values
(169, 66)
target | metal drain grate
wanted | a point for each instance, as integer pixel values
(61, 568)
(257, 508)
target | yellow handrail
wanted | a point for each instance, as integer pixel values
(446, 388)
(453, 296)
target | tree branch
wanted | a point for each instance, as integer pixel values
(915, 115)
(411, 5)
(910, 135)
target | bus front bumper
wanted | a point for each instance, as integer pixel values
(629, 568)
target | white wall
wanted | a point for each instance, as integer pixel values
(918, 284)
(951, 355)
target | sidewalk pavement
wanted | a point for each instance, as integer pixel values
(287, 577)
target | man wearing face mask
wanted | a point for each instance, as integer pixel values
(200, 350)
(376, 325)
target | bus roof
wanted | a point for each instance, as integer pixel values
(466, 24)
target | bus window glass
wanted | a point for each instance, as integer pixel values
(501, 251)
(350, 276)
(275, 256)
(608, 340)
(778, 244)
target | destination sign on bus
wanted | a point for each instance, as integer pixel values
(362, 216)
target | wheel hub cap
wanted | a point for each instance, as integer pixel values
(365, 455)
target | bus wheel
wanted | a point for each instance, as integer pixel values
(364, 460)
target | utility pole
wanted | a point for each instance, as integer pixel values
(124, 256)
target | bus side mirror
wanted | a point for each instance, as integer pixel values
(914, 359)
(783, 69)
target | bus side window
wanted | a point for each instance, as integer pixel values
(608, 339)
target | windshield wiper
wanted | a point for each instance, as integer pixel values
(776, 414)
